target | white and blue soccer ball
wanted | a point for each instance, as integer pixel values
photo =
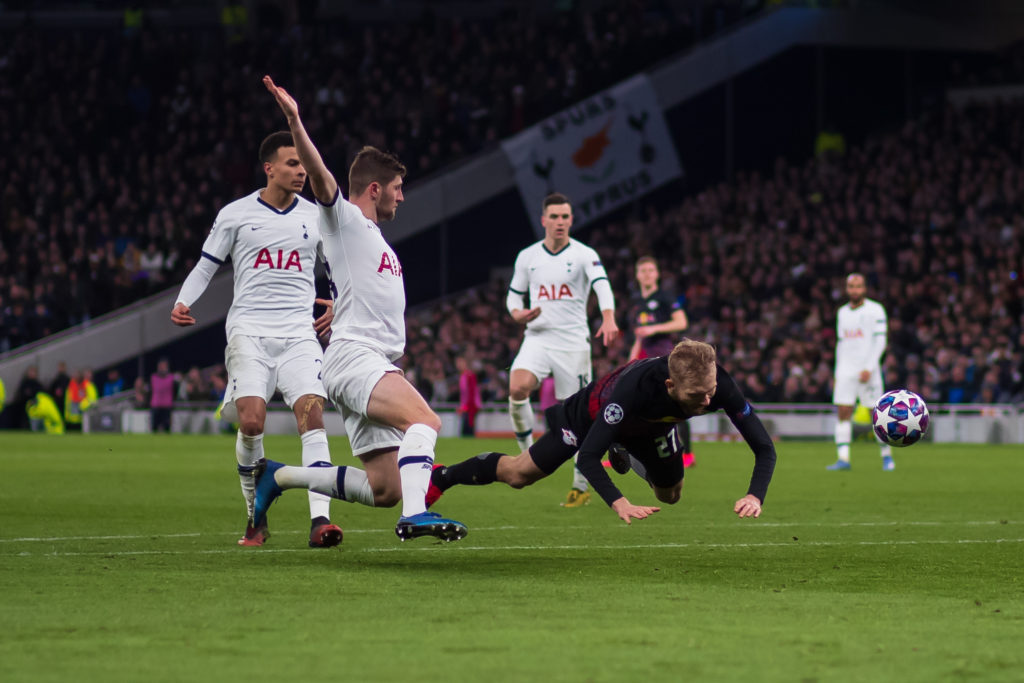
(900, 418)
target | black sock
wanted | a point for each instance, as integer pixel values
(317, 521)
(483, 469)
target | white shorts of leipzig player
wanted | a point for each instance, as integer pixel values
(849, 389)
(351, 370)
(259, 365)
(571, 369)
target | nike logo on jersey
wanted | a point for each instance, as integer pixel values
(254, 228)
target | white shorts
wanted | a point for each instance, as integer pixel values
(571, 369)
(351, 371)
(849, 389)
(258, 365)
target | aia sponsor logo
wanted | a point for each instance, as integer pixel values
(554, 292)
(853, 334)
(389, 262)
(282, 262)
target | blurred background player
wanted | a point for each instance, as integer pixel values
(860, 344)
(657, 318)
(273, 239)
(557, 273)
(636, 406)
(390, 426)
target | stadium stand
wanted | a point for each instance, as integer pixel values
(125, 143)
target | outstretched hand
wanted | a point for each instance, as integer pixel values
(607, 332)
(287, 103)
(627, 511)
(748, 506)
(181, 315)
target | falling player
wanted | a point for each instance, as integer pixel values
(637, 407)
(860, 344)
(273, 239)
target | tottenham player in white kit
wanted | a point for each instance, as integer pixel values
(273, 239)
(860, 344)
(557, 273)
(392, 429)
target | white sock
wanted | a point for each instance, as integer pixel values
(315, 452)
(248, 452)
(351, 484)
(886, 450)
(844, 434)
(344, 483)
(522, 422)
(415, 463)
(578, 480)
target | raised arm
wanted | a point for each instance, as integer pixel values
(325, 187)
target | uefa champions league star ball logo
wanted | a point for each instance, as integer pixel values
(613, 413)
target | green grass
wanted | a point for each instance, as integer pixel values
(118, 562)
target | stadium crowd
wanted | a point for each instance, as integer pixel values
(108, 191)
(933, 214)
(122, 146)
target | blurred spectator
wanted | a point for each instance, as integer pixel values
(140, 394)
(469, 397)
(59, 384)
(114, 383)
(161, 399)
(193, 387)
(79, 396)
(28, 387)
(43, 414)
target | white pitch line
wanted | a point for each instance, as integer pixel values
(472, 548)
(751, 525)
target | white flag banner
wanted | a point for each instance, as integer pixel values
(602, 153)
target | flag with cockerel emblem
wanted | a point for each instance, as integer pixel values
(603, 153)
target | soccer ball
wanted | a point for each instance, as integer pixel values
(900, 418)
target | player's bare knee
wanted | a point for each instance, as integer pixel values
(517, 393)
(250, 426)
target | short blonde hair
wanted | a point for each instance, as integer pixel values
(691, 359)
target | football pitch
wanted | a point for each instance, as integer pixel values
(118, 562)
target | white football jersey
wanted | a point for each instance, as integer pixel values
(273, 254)
(366, 280)
(860, 337)
(560, 284)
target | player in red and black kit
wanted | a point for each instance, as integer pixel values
(636, 406)
(657, 319)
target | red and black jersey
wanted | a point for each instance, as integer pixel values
(653, 310)
(632, 402)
